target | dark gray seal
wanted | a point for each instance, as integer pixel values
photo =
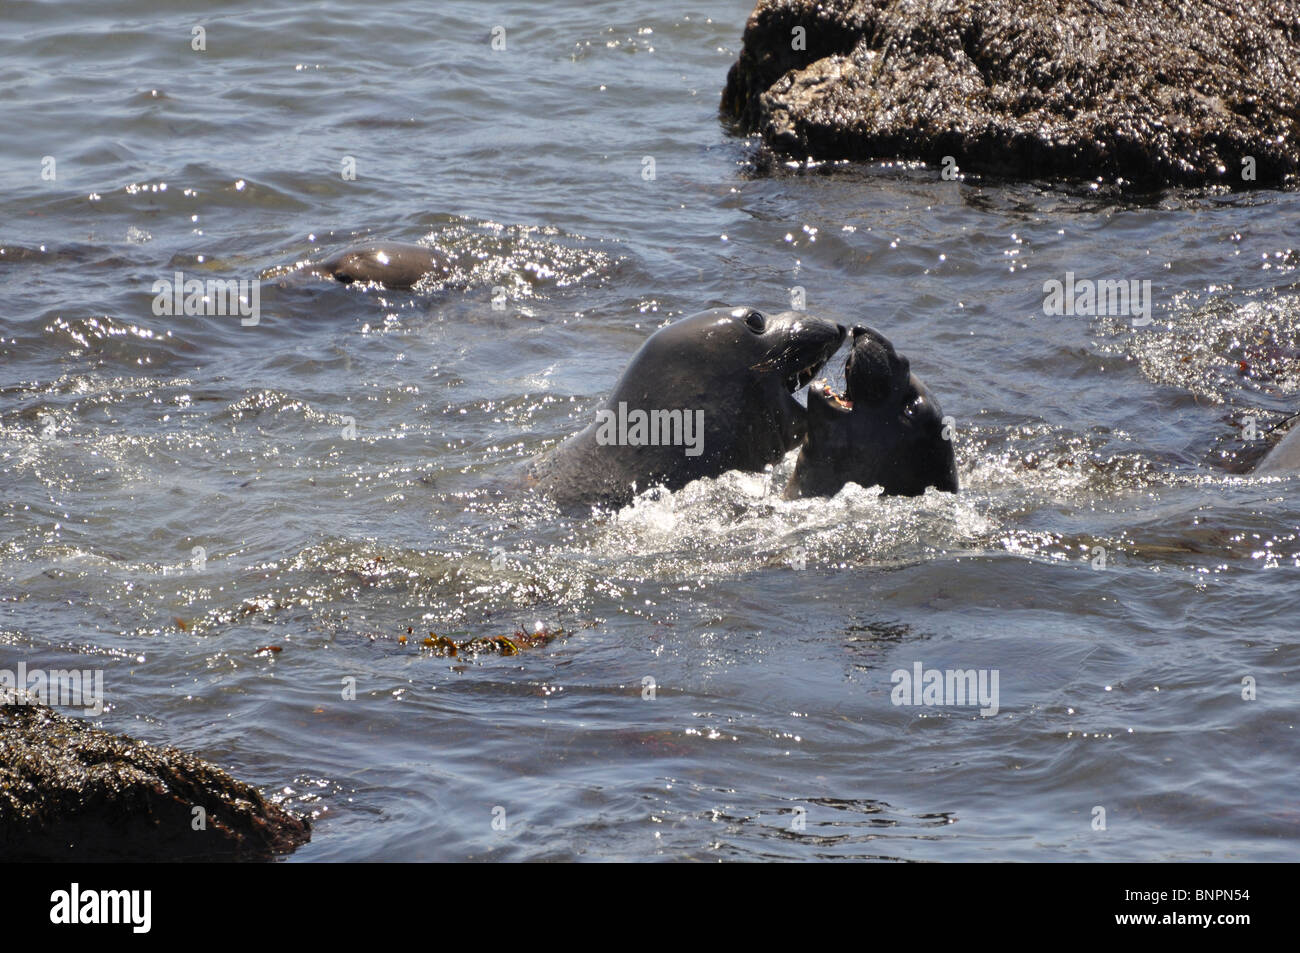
(885, 430)
(395, 265)
(706, 394)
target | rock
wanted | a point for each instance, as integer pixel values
(1146, 93)
(69, 791)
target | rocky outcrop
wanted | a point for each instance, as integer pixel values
(1143, 93)
(69, 791)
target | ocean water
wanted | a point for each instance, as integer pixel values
(179, 493)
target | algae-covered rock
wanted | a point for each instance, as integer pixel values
(1146, 93)
(69, 791)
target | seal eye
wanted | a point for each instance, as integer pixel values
(756, 322)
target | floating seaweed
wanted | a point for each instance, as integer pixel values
(520, 640)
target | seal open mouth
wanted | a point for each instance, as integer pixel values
(827, 393)
(871, 371)
(798, 347)
(803, 377)
(810, 344)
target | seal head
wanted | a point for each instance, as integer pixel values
(885, 430)
(395, 265)
(706, 394)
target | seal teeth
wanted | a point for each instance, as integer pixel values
(829, 393)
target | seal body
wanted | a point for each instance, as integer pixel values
(885, 430)
(394, 265)
(706, 394)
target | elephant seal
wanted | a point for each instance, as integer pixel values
(394, 265)
(1284, 458)
(706, 394)
(885, 430)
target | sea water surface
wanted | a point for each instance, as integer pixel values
(180, 493)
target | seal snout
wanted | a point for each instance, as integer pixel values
(873, 369)
(810, 343)
(873, 338)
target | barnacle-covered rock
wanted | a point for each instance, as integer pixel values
(1144, 93)
(70, 791)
